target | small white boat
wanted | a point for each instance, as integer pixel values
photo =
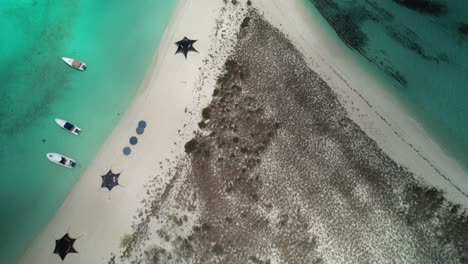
(75, 63)
(68, 126)
(61, 160)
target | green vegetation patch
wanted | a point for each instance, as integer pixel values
(206, 113)
(217, 249)
(126, 240)
(254, 259)
(245, 22)
(201, 124)
(191, 146)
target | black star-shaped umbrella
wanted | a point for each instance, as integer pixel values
(185, 45)
(64, 246)
(110, 180)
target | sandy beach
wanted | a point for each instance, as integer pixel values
(169, 207)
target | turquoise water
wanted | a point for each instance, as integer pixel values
(420, 50)
(117, 40)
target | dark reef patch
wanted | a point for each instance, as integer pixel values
(463, 28)
(382, 12)
(424, 6)
(408, 40)
(348, 18)
(346, 23)
(396, 75)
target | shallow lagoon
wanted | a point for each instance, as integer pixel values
(117, 40)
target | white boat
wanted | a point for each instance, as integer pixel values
(75, 63)
(61, 160)
(68, 126)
